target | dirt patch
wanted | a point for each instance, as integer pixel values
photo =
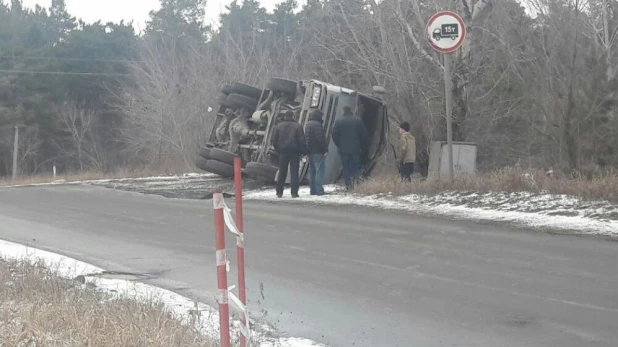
(188, 186)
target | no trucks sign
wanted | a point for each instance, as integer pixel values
(446, 31)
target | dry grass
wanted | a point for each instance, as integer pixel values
(39, 309)
(93, 175)
(602, 186)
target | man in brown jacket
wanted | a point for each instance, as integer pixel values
(407, 148)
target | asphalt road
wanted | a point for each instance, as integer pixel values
(345, 276)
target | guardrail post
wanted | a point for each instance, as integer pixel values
(224, 308)
(240, 246)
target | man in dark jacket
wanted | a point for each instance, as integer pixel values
(289, 141)
(317, 149)
(349, 134)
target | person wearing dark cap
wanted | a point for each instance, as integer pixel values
(288, 139)
(349, 134)
(407, 149)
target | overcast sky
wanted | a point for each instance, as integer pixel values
(136, 10)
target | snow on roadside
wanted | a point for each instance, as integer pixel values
(533, 210)
(169, 178)
(557, 212)
(183, 307)
(155, 178)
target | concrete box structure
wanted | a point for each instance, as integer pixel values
(464, 158)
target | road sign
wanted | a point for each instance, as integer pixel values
(446, 31)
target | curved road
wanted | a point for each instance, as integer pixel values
(344, 276)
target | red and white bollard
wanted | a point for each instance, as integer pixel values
(224, 308)
(240, 248)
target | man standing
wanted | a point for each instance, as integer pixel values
(349, 134)
(317, 148)
(289, 141)
(407, 147)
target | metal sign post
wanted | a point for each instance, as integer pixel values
(446, 32)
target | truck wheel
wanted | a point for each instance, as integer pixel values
(224, 156)
(222, 101)
(281, 85)
(226, 88)
(262, 171)
(246, 90)
(242, 101)
(200, 163)
(219, 168)
(205, 153)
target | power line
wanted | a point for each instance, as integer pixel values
(71, 59)
(64, 73)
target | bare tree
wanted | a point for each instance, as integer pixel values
(81, 143)
(164, 105)
(29, 149)
(533, 85)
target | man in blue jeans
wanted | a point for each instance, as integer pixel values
(349, 134)
(317, 148)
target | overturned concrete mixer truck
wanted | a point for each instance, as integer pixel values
(247, 116)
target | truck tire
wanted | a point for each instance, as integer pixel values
(281, 85)
(219, 168)
(262, 171)
(246, 90)
(200, 163)
(216, 167)
(242, 101)
(222, 101)
(205, 153)
(226, 89)
(222, 156)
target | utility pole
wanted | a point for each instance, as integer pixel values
(15, 152)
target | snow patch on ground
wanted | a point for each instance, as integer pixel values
(557, 212)
(169, 178)
(533, 210)
(207, 317)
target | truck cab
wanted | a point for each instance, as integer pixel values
(331, 99)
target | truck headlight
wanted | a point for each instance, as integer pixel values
(315, 97)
